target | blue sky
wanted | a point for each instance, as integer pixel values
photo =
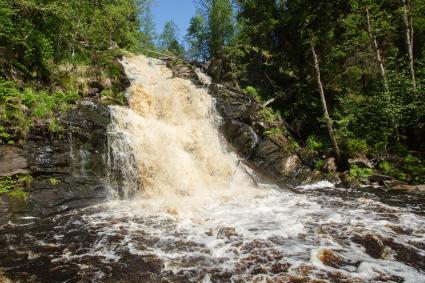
(179, 11)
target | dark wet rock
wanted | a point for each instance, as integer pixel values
(330, 165)
(373, 245)
(226, 233)
(310, 177)
(361, 161)
(280, 267)
(330, 258)
(241, 136)
(344, 179)
(67, 173)
(12, 161)
(420, 188)
(380, 179)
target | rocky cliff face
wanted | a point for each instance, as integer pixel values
(67, 172)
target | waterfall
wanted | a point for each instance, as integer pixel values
(166, 144)
(184, 209)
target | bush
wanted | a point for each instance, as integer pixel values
(360, 173)
(13, 186)
(316, 143)
(253, 92)
(18, 109)
(355, 146)
(319, 164)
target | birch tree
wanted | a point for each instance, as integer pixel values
(328, 119)
(409, 42)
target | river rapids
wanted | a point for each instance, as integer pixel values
(183, 208)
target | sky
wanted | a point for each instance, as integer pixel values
(179, 11)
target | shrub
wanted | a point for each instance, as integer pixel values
(56, 128)
(319, 164)
(253, 92)
(354, 146)
(316, 144)
(19, 194)
(360, 173)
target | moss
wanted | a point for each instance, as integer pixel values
(268, 115)
(18, 194)
(56, 128)
(274, 132)
(25, 180)
(54, 181)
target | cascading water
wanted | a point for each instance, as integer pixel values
(166, 145)
(185, 210)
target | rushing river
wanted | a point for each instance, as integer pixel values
(184, 209)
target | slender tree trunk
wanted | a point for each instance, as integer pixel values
(324, 105)
(377, 51)
(409, 41)
(375, 46)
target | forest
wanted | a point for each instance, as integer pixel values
(346, 77)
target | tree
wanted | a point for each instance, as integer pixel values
(168, 39)
(148, 26)
(220, 25)
(409, 42)
(197, 38)
(377, 51)
(328, 119)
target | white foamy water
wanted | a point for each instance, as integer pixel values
(190, 204)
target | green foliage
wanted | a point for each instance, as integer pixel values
(220, 24)
(71, 46)
(356, 146)
(319, 164)
(6, 185)
(274, 132)
(415, 169)
(317, 144)
(252, 92)
(56, 128)
(54, 181)
(25, 180)
(18, 194)
(13, 186)
(360, 173)
(197, 38)
(168, 40)
(211, 30)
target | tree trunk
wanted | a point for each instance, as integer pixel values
(375, 46)
(324, 105)
(377, 51)
(409, 42)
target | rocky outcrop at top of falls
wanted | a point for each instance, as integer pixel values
(251, 129)
(66, 172)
